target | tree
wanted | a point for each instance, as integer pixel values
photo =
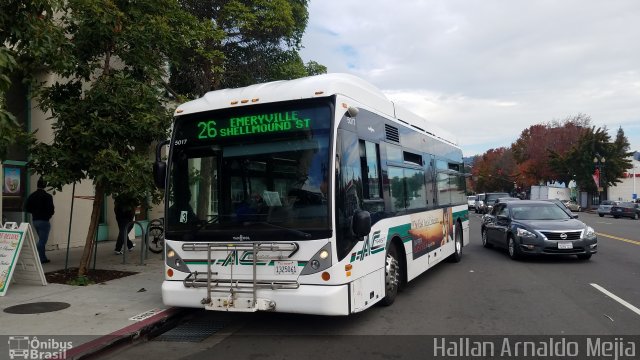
(257, 41)
(495, 170)
(541, 143)
(111, 105)
(30, 41)
(579, 161)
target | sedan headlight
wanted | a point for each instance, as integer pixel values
(590, 233)
(525, 233)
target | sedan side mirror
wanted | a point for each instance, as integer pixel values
(504, 218)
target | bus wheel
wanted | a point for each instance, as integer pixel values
(391, 276)
(457, 254)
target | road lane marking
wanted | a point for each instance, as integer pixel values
(619, 238)
(616, 298)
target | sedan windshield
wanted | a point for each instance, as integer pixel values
(538, 212)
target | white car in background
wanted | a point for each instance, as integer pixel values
(471, 202)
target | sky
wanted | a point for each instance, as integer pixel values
(485, 70)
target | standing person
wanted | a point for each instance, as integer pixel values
(40, 205)
(125, 214)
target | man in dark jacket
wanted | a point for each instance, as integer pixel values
(40, 205)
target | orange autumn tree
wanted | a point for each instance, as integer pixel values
(494, 170)
(535, 146)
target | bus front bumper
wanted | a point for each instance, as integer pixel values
(306, 299)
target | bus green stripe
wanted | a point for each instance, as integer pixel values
(402, 231)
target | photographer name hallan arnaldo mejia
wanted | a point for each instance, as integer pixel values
(614, 347)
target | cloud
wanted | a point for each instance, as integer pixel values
(486, 70)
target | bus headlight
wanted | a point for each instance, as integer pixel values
(174, 261)
(320, 261)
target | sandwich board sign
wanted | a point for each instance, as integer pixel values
(19, 260)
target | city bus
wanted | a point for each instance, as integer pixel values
(316, 195)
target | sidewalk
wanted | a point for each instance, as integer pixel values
(98, 315)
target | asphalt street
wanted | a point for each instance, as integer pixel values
(487, 293)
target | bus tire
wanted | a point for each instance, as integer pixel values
(392, 271)
(457, 254)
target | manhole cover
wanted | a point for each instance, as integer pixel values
(36, 308)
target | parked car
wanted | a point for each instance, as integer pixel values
(471, 202)
(531, 227)
(562, 206)
(490, 199)
(573, 206)
(605, 207)
(504, 199)
(479, 204)
(626, 209)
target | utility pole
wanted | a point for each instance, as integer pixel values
(599, 163)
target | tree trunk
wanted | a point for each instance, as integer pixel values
(93, 228)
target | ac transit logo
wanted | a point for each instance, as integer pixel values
(25, 347)
(373, 245)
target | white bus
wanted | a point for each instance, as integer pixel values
(316, 195)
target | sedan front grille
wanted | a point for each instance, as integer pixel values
(557, 235)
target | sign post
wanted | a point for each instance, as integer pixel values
(19, 259)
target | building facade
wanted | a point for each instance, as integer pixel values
(73, 205)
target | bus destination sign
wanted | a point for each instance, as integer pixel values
(252, 124)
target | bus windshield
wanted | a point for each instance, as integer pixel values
(256, 173)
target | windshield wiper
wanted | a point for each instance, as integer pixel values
(200, 225)
(289, 230)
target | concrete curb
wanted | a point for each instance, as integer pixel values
(126, 335)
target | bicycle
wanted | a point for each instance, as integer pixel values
(156, 235)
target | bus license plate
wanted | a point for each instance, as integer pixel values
(286, 267)
(565, 245)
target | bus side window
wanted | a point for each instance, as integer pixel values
(372, 180)
(370, 160)
(349, 190)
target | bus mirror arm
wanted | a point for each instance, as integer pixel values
(160, 166)
(361, 223)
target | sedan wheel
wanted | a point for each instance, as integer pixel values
(514, 253)
(485, 241)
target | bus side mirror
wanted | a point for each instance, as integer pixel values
(159, 173)
(160, 166)
(361, 223)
